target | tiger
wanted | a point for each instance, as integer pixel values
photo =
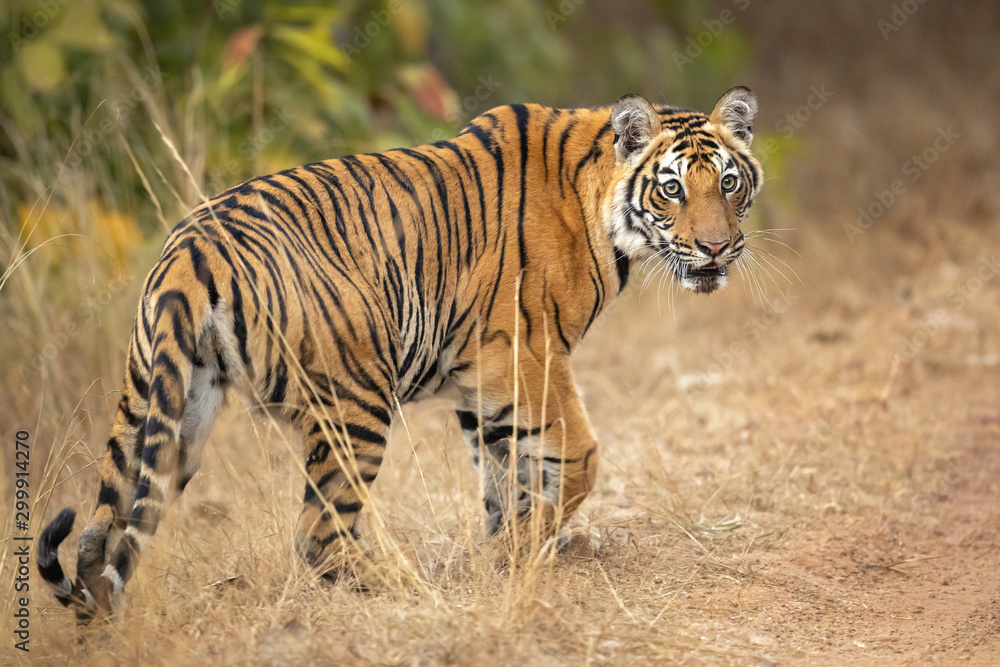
(330, 294)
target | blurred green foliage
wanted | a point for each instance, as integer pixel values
(104, 99)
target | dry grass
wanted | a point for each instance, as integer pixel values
(809, 478)
(805, 480)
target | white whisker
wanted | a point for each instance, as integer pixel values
(753, 276)
(779, 242)
(739, 263)
(778, 259)
(772, 231)
(652, 275)
(763, 269)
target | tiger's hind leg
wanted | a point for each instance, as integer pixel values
(204, 399)
(344, 446)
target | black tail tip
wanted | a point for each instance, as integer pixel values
(57, 531)
(48, 554)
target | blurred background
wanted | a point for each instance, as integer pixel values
(878, 132)
(116, 114)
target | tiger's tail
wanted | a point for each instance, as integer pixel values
(119, 473)
(154, 446)
(66, 591)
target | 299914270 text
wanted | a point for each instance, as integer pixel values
(22, 541)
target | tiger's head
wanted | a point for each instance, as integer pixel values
(685, 182)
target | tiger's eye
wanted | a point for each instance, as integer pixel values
(671, 188)
(728, 183)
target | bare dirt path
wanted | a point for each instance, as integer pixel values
(854, 436)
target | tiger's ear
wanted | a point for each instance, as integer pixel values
(735, 111)
(635, 123)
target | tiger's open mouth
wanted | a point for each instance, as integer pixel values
(704, 272)
(702, 280)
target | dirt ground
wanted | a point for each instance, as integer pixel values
(808, 480)
(856, 441)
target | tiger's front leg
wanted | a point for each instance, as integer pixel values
(537, 462)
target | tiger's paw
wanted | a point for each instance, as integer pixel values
(580, 542)
(373, 569)
(356, 570)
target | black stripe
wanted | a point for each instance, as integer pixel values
(623, 265)
(164, 364)
(150, 453)
(335, 535)
(559, 459)
(595, 151)
(522, 115)
(494, 434)
(123, 564)
(158, 392)
(142, 488)
(140, 385)
(310, 496)
(348, 508)
(155, 426)
(563, 139)
(558, 321)
(496, 152)
(239, 321)
(108, 495)
(364, 434)
(277, 396)
(467, 420)
(319, 453)
(136, 518)
(117, 455)
(202, 271)
(132, 418)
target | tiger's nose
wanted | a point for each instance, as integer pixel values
(711, 248)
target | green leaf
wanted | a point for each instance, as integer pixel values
(312, 71)
(42, 65)
(282, 13)
(81, 27)
(314, 42)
